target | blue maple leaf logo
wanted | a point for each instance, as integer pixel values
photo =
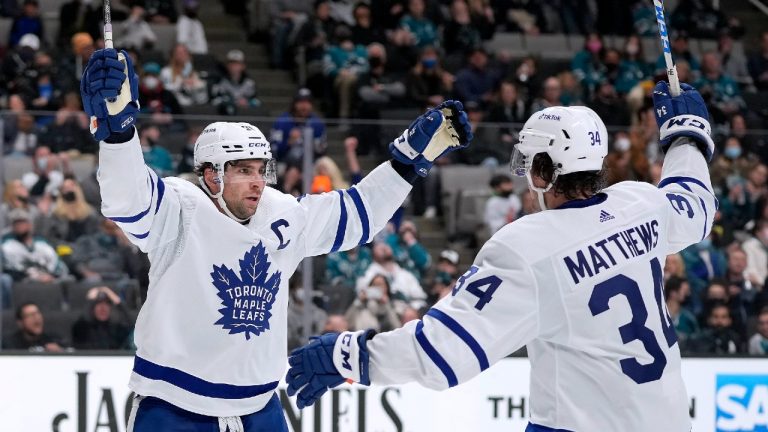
(247, 298)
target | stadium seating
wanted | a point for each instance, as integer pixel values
(48, 296)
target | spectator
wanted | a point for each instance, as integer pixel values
(161, 11)
(19, 128)
(98, 328)
(235, 90)
(180, 78)
(758, 343)
(699, 18)
(155, 100)
(314, 37)
(373, 307)
(703, 262)
(155, 156)
(483, 17)
(72, 65)
(550, 95)
(17, 64)
(643, 144)
(135, 33)
(758, 64)
(31, 334)
(718, 337)
(287, 135)
(676, 292)
(47, 173)
(526, 76)
(734, 61)
(509, 109)
(287, 17)
(723, 92)
(460, 33)
(486, 150)
(755, 145)
(71, 216)
(680, 51)
(402, 282)
(16, 196)
(189, 29)
(343, 64)
(296, 312)
(633, 67)
(422, 29)
(364, 32)
(503, 206)
(77, 16)
(427, 82)
(378, 88)
(27, 22)
(674, 267)
(446, 272)
(42, 90)
(587, 64)
(70, 130)
(644, 18)
(756, 249)
(346, 267)
(408, 252)
(336, 323)
(26, 257)
(477, 81)
(570, 90)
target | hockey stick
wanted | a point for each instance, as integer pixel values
(115, 105)
(674, 82)
(108, 25)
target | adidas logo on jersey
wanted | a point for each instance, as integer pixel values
(605, 216)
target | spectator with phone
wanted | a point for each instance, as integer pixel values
(373, 307)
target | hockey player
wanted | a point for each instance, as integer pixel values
(579, 283)
(211, 336)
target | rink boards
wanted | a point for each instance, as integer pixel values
(89, 394)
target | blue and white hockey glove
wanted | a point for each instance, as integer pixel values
(110, 91)
(326, 362)
(438, 131)
(682, 116)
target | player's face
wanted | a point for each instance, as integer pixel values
(243, 184)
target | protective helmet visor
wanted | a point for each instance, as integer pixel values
(531, 143)
(256, 170)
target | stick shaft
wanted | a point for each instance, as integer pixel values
(107, 25)
(674, 82)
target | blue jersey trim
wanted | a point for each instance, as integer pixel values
(595, 199)
(160, 193)
(681, 180)
(362, 212)
(196, 385)
(435, 356)
(342, 228)
(140, 236)
(463, 334)
(538, 428)
(704, 207)
(137, 217)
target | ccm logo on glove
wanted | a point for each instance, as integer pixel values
(345, 353)
(683, 121)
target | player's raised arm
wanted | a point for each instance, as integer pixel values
(131, 193)
(685, 137)
(492, 312)
(343, 219)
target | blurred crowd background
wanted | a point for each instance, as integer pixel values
(349, 76)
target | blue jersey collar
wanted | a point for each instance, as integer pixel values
(596, 199)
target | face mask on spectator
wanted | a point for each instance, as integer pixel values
(42, 163)
(429, 63)
(151, 82)
(622, 144)
(69, 196)
(505, 193)
(732, 152)
(375, 62)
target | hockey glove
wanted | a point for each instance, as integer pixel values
(110, 91)
(436, 132)
(682, 116)
(326, 362)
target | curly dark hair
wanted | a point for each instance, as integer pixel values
(574, 185)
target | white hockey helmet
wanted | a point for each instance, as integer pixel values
(575, 138)
(223, 142)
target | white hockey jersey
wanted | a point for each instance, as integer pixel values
(211, 336)
(581, 286)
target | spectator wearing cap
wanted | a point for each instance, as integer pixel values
(422, 29)
(134, 32)
(446, 272)
(28, 22)
(758, 64)
(235, 89)
(503, 206)
(31, 334)
(409, 253)
(155, 100)
(189, 29)
(477, 81)
(18, 62)
(98, 328)
(344, 63)
(287, 130)
(70, 217)
(27, 257)
(180, 78)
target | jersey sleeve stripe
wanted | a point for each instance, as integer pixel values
(138, 217)
(706, 216)
(435, 356)
(140, 236)
(342, 228)
(196, 385)
(160, 193)
(362, 212)
(463, 334)
(682, 180)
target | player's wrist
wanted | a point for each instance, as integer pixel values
(350, 355)
(121, 137)
(407, 172)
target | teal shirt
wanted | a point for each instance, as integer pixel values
(413, 258)
(631, 72)
(423, 29)
(337, 58)
(341, 266)
(159, 160)
(724, 89)
(587, 72)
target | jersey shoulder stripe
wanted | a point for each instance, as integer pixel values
(435, 356)
(463, 334)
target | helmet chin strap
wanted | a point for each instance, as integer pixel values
(540, 191)
(220, 197)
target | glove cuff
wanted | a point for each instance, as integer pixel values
(402, 145)
(350, 355)
(692, 126)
